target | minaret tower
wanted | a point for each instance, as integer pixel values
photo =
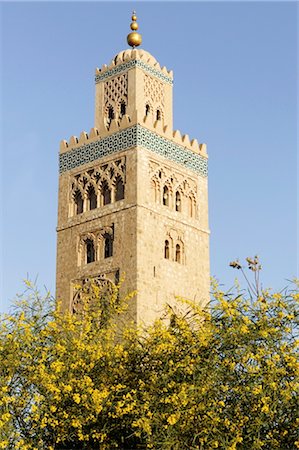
(133, 197)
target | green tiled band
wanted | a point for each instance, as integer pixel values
(128, 138)
(128, 65)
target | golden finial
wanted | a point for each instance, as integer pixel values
(134, 39)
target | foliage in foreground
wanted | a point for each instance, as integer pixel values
(224, 378)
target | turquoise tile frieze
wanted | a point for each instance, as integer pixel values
(128, 65)
(128, 138)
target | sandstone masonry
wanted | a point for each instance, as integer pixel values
(133, 199)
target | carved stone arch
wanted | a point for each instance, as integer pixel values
(155, 189)
(91, 183)
(105, 241)
(179, 188)
(186, 186)
(110, 171)
(173, 234)
(148, 109)
(82, 180)
(91, 292)
(161, 173)
(110, 113)
(97, 176)
(179, 255)
(168, 246)
(174, 180)
(168, 183)
(192, 204)
(120, 167)
(105, 192)
(122, 107)
(167, 194)
(77, 200)
(91, 193)
(87, 249)
(159, 113)
(178, 200)
(90, 173)
(118, 188)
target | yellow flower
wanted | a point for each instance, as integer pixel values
(257, 389)
(244, 329)
(77, 398)
(173, 418)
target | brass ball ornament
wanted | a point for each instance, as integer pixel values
(134, 39)
(134, 26)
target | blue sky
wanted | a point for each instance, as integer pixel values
(234, 69)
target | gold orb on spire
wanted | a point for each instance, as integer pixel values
(134, 39)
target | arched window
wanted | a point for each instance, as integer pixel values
(78, 202)
(158, 114)
(147, 109)
(192, 206)
(178, 253)
(122, 109)
(166, 250)
(106, 194)
(90, 253)
(92, 198)
(110, 114)
(108, 246)
(119, 189)
(165, 196)
(178, 201)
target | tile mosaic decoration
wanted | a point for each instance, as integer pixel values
(128, 138)
(134, 63)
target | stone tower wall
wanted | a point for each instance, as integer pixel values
(160, 228)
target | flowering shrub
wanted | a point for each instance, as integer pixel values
(225, 377)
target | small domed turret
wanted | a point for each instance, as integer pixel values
(134, 39)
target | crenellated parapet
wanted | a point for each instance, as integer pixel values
(129, 134)
(125, 122)
(128, 59)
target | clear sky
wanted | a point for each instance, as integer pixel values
(234, 69)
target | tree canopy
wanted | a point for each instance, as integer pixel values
(220, 377)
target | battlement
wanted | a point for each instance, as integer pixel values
(133, 58)
(118, 125)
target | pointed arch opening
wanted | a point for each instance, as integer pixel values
(110, 114)
(105, 194)
(155, 191)
(108, 245)
(158, 115)
(123, 108)
(90, 251)
(92, 198)
(192, 206)
(166, 250)
(147, 109)
(78, 200)
(165, 196)
(178, 253)
(178, 201)
(119, 189)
